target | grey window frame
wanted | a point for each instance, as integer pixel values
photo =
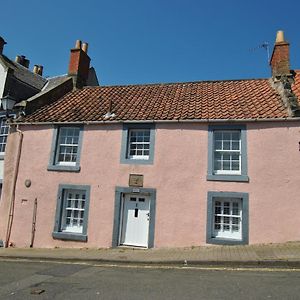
(53, 166)
(4, 118)
(119, 191)
(244, 166)
(125, 140)
(57, 233)
(211, 195)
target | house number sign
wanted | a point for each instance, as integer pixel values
(136, 180)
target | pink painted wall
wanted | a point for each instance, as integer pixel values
(179, 176)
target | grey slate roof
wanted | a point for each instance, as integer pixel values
(23, 74)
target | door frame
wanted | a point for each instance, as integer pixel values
(118, 212)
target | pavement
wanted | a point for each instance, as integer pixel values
(262, 255)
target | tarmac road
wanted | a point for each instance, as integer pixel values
(21, 279)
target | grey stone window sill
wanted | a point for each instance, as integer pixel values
(63, 168)
(223, 241)
(137, 161)
(69, 236)
(242, 178)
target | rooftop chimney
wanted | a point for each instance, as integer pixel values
(79, 64)
(2, 43)
(22, 60)
(38, 70)
(280, 59)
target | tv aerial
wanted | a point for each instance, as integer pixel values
(263, 45)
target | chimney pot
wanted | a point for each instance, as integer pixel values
(280, 36)
(35, 69)
(85, 47)
(40, 70)
(78, 44)
(18, 59)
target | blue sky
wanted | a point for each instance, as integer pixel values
(142, 41)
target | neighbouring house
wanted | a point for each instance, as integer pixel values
(17, 82)
(25, 91)
(29, 90)
(159, 165)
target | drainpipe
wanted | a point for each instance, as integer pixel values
(13, 192)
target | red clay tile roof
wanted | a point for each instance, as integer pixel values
(230, 99)
(296, 85)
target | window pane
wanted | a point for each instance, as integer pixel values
(235, 145)
(217, 210)
(218, 135)
(236, 136)
(218, 156)
(235, 156)
(226, 136)
(235, 165)
(235, 221)
(217, 219)
(226, 145)
(217, 165)
(226, 227)
(218, 145)
(226, 156)
(235, 228)
(226, 165)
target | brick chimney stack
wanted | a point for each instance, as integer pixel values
(2, 43)
(79, 64)
(280, 59)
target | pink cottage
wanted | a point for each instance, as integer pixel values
(157, 165)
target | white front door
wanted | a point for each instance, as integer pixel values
(135, 221)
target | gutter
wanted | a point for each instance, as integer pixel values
(287, 119)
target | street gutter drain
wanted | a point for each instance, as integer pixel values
(37, 292)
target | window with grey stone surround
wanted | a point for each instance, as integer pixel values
(4, 128)
(227, 218)
(72, 210)
(227, 153)
(138, 143)
(66, 149)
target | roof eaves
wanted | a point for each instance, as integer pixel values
(279, 119)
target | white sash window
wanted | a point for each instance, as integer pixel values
(227, 152)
